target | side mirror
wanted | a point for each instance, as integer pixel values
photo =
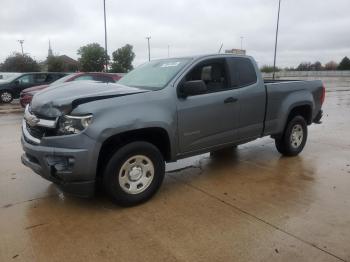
(192, 88)
(16, 82)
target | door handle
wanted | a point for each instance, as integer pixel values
(230, 100)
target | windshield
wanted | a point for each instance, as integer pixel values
(154, 75)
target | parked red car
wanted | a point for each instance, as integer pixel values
(27, 94)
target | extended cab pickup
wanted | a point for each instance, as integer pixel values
(122, 134)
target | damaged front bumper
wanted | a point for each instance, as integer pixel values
(68, 161)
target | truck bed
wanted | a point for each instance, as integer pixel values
(280, 96)
(271, 81)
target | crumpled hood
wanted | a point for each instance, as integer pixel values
(61, 99)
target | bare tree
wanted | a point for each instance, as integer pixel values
(331, 65)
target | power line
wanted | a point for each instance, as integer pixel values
(220, 48)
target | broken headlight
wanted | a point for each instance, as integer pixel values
(68, 125)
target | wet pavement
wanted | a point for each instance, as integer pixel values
(252, 205)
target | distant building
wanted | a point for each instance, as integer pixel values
(69, 64)
(235, 51)
(49, 53)
(69, 61)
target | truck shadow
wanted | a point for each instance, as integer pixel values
(272, 188)
(258, 169)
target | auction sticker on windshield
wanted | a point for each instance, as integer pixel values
(170, 64)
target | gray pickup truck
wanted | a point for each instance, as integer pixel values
(122, 134)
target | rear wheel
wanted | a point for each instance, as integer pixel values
(134, 173)
(6, 96)
(293, 140)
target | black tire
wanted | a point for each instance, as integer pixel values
(6, 96)
(288, 145)
(114, 173)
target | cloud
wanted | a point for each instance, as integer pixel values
(309, 30)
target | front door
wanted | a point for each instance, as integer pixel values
(23, 82)
(208, 119)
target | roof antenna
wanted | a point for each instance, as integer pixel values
(220, 48)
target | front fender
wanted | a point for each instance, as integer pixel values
(131, 114)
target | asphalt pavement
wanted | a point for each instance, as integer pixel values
(253, 205)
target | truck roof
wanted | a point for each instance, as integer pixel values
(209, 56)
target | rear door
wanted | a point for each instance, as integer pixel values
(251, 98)
(209, 119)
(40, 79)
(51, 77)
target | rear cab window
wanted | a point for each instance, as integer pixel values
(242, 72)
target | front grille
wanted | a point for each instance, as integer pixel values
(36, 131)
(40, 131)
(35, 128)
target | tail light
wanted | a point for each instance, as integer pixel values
(323, 95)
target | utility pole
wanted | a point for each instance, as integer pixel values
(106, 52)
(220, 48)
(21, 43)
(278, 21)
(149, 48)
(242, 42)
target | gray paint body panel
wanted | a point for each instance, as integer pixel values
(194, 125)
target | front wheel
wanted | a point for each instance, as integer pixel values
(134, 173)
(6, 96)
(293, 140)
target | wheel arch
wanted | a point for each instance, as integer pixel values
(304, 110)
(157, 136)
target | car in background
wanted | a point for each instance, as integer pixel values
(27, 94)
(5, 75)
(12, 86)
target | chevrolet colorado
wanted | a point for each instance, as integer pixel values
(123, 133)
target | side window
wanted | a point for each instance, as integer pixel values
(242, 72)
(40, 78)
(83, 77)
(26, 79)
(212, 72)
(52, 77)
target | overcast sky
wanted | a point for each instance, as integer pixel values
(309, 29)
